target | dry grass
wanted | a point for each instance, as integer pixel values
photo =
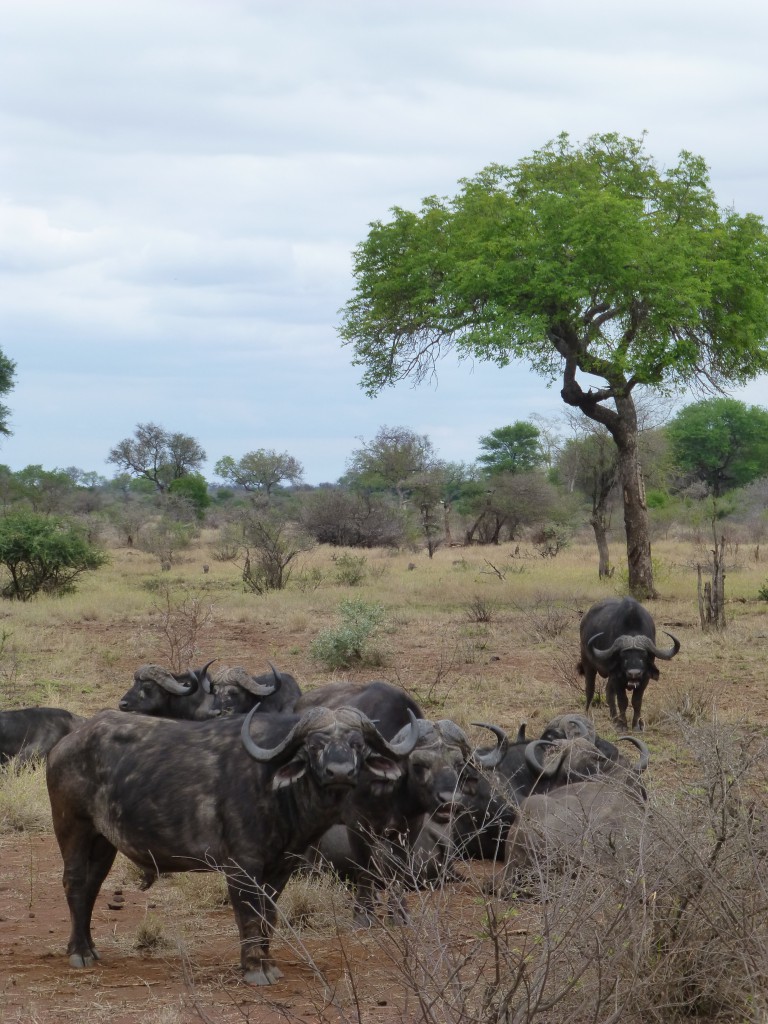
(516, 663)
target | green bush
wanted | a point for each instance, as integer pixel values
(351, 642)
(43, 554)
(350, 570)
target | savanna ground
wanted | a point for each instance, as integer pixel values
(475, 634)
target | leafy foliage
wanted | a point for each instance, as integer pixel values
(43, 554)
(351, 642)
(722, 442)
(512, 449)
(259, 470)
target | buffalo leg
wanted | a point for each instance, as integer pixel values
(84, 872)
(255, 912)
(590, 674)
(616, 692)
(637, 707)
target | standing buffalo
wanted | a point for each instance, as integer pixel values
(203, 796)
(31, 732)
(156, 691)
(618, 641)
(390, 706)
(235, 691)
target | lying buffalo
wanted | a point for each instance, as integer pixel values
(165, 694)
(203, 796)
(618, 641)
(236, 691)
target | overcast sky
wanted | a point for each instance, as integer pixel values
(182, 184)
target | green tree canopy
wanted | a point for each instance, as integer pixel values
(260, 470)
(582, 260)
(721, 442)
(512, 449)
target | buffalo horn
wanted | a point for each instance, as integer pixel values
(166, 680)
(537, 766)
(494, 757)
(399, 749)
(203, 678)
(645, 754)
(667, 653)
(285, 747)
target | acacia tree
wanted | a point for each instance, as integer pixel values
(157, 454)
(391, 461)
(585, 260)
(260, 470)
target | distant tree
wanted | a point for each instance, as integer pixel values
(260, 470)
(511, 500)
(512, 449)
(194, 488)
(43, 555)
(46, 490)
(583, 260)
(390, 461)
(338, 516)
(721, 442)
(158, 455)
(7, 381)
(590, 463)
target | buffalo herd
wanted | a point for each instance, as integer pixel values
(221, 770)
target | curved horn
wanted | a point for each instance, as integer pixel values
(399, 749)
(668, 652)
(603, 655)
(537, 767)
(494, 757)
(201, 675)
(285, 747)
(580, 725)
(252, 685)
(645, 754)
(520, 738)
(449, 732)
(166, 680)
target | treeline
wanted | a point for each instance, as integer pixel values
(705, 470)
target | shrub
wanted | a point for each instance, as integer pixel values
(350, 643)
(350, 570)
(43, 554)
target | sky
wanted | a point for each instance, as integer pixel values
(183, 182)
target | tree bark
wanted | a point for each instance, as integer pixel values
(600, 528)
(621, 423)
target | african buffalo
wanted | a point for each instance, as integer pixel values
(203, 796)
(164, 694)
(235, 691)
(618, 641)
(400, 830)
(31, 732)
(390, 706)
(589, 816)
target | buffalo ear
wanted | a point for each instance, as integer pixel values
(653, 672)
(288, 773)
(383, 767)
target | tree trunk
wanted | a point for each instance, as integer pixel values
(600, 527)
(635, 509)
(621, 423)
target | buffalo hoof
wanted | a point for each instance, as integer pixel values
(79, 961)
(267, 974)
